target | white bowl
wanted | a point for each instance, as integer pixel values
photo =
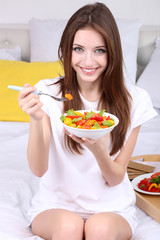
(91, 133)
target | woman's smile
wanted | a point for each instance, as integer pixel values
(88, 71)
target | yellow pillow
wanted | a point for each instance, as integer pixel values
(18, 73)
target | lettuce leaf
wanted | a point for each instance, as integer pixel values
(70, 112)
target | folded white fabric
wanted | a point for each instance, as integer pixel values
(150, 78)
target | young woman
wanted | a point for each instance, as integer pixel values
(84, 190)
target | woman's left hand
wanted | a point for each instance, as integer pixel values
(97, 147)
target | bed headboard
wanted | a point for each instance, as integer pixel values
(18, 34)
(12, 35)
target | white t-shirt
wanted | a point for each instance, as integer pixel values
(75, 182)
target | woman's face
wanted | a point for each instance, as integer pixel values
(89, 55)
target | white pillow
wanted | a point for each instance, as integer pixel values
(129, 33)
(11, 54)
(143, 57)
(45, 37)
(150, 78)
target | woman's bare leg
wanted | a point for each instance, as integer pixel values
(58, 224)
(107, 226)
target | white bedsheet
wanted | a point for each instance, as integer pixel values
(17, 186)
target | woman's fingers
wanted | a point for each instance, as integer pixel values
(24, 99)
(25, 91)
(97, 147)
(30, 102)
(33, 109)
(79, 140)
(27, 85)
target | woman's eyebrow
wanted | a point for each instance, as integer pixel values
(76, 44)
(102, 46)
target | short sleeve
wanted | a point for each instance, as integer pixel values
(46, 86)
(142, 109)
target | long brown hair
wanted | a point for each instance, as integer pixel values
(114, 97)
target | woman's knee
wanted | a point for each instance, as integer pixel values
(58, 224)
(70, 227)
(95, 229)
(108, 226)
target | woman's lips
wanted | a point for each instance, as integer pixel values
(88, 70)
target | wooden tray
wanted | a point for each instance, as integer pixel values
(148, 158)
(135, 169)
(150, 204)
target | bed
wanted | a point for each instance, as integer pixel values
(27, 54)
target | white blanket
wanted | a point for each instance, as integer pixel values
(18, 185)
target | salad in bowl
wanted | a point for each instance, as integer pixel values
(88, 123)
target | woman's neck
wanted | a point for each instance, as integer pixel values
(90, 91)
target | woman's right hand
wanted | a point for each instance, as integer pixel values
(30, 102)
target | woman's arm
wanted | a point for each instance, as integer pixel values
(38, 145)
(113, 171)
(40, 130)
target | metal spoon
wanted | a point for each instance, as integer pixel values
(17, 88)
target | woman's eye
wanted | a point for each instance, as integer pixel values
(77, 49)
(100, 50)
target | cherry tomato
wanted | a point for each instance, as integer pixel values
(155, 174)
